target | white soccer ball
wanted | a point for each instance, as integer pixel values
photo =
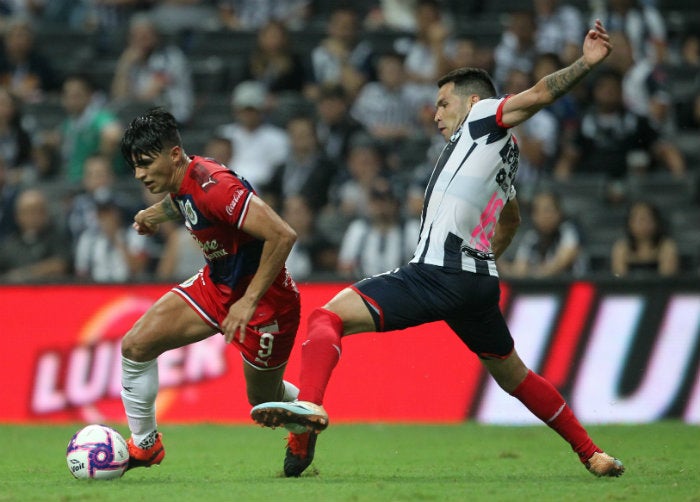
(97, 452)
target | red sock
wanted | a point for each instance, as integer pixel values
(319, 354)
(545, 402)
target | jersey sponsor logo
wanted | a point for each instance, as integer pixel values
(510, 155)
(211, 248)
(231, 207)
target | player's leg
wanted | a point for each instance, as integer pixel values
(168, 324)
(267, 385)
(547, 404)
(496, 350)
(345, 314)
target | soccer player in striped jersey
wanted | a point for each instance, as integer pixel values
(469, 217)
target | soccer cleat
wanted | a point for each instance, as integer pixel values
(146, 457)
(601, 464)
(281, 414)
(300, 453)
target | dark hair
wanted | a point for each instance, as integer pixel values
(148, 134)
(468, 81)
(83, 78)
(659, 231)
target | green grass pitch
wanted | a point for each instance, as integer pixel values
(466, 462)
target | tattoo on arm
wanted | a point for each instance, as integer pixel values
(562, 81)
(169, 209)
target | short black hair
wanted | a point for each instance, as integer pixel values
(470, 80)
(148, 134)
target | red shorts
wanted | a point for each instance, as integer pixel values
(270, 333)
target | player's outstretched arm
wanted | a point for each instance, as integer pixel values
(522, 106)
(146, 221)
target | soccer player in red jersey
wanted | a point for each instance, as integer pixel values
(470, 215)
(243, 291)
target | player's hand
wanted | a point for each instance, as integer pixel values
(596, 45)
(142, 225)
(237, 319)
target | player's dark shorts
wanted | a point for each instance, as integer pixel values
(270, 334)
(417, 293)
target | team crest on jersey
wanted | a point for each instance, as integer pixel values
(187, 209)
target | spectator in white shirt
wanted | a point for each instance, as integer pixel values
(258, 147)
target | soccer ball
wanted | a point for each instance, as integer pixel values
(97, 452)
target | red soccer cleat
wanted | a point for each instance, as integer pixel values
(146, 457)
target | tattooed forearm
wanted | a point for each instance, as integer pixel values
(171, 213)
(562, 81)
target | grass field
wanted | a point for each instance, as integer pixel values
(467, 462)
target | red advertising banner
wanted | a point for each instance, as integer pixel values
(618, 354)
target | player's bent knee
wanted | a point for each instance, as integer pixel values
(135, 349)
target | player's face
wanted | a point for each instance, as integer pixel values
(159, 173)
(450, 110)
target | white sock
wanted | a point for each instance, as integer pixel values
(291, 392)
(139, 390)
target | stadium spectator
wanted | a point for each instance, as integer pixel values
(335, 127)
(365, 163)
(181, 257)
(111, 250)
(8, 195)
(645, 86)
(685, 68)
(427, 53)
(393, 15)
(567, 109)
(646, 248)
(177, 16)
(517, 48)
(38, 250)
(251, 15)
(453, 275)
(24, 70)
(243, 291)
(641, 23)
(15, 141)
(387, 108)
(274, 62)
(258, 147)
(220, 149)
(537, 140)
(312, 253)
(615, 141)
(380, 242)
(88, 128)
(153, 72)
(552, 247)
(342, 57)
(559, 29)
(305, 171)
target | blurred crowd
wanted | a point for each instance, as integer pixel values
(326, 107)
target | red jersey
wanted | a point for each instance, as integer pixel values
(214, 202)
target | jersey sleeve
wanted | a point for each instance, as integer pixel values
(229, 199)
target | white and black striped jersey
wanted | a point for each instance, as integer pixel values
(471, 182)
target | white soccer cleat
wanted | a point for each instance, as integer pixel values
(296, 416)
